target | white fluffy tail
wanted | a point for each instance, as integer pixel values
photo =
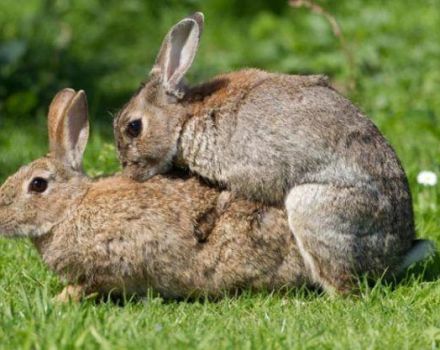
(421, 250)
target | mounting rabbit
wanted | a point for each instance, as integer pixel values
(277, 139)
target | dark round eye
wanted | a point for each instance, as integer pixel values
(38, 185)
(134, 128)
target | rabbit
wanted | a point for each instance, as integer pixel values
(284, 140)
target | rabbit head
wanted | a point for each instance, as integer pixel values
(147, 129)
(40, 194)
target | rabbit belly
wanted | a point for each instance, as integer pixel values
(346, 232)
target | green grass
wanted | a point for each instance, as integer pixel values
(396, 52)
(382, 318)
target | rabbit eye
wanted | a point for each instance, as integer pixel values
(38, 185)
(134, 128)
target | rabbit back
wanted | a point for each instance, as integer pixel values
(262, 133)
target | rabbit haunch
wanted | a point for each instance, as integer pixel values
(274, 138)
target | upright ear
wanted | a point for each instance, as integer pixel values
(56, 112)
(178, 51)
(69, 127)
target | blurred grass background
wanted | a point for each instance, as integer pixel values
(107, 49)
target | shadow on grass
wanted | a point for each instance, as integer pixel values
(304, 293)
(426, 271)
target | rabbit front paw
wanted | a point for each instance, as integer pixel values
(72, 293)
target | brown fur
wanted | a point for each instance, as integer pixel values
(130, 236)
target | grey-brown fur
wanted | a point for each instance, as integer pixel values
(277, 139)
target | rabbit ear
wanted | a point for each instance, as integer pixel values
(178, 51)
(69, 139)
(56, 111)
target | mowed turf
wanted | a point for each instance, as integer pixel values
(396, 50)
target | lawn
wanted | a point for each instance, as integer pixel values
(391, 70)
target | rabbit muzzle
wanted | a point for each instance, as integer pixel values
(144, 168)
(7, 194)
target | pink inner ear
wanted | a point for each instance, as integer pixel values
(76, 123)
(183, 44)
(75, 133)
